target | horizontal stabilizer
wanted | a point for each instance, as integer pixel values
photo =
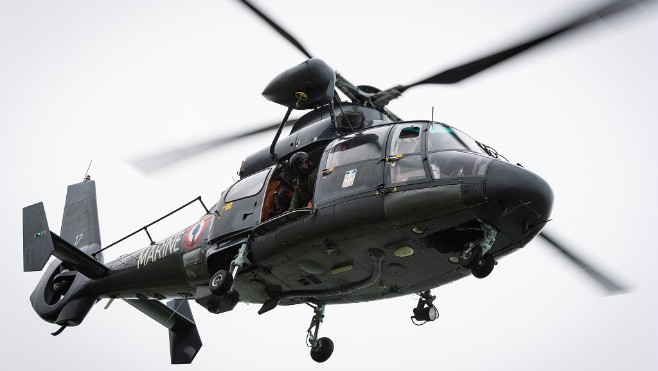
(76, 259)
(39, 243)
(184, 339)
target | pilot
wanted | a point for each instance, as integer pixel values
(305, 182)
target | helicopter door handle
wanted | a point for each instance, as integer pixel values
(326, 172)
(393, 159)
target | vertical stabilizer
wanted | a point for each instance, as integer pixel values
(80, 225)
(37, 247)
(60, 296)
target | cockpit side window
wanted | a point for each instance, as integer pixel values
(352, 165)
(406, 140)
(404, 154)
(360, 147)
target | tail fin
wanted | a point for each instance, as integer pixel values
(79, 229)
(60, 296)
(80, 221)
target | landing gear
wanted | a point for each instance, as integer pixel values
(481, 265)
(469, 257)
(323, 351)
(321, 348)
(484, 267)
(222, 281)
(477, 257)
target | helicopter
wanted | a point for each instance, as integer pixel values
(322, 134)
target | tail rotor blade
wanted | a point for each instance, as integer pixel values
(602, 279)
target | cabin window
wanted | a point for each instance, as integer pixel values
(357, 147)
(353, 165)
(247, 187)
(404, 154)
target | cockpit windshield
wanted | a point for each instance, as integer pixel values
(443, 137)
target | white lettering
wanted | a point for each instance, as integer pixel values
(176, 245)
(142, 258)
(151, 256)
(159, 251)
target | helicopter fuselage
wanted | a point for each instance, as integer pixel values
(395, 205)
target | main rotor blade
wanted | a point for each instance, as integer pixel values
(602, 279)
(278, 28)
(459, 73)
(158, 161)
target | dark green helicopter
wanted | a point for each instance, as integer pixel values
(399, 207)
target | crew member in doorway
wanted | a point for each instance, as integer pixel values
(302, 196)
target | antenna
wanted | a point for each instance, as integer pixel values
(432, 113)
(87, 177)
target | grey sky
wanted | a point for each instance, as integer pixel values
(108, 81)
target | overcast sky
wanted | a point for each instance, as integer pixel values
(110, 80)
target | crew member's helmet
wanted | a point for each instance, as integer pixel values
(298, 159)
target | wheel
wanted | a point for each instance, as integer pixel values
(470, 257)
(323, 351)
(484, 266)
(221, 282)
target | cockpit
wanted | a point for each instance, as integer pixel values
(403, 154)
(379, 159)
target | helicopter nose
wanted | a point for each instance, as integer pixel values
(516, 198)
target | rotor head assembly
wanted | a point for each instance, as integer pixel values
(308, 85)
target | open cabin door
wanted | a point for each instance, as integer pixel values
(241, 206)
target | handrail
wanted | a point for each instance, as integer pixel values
(145, 228)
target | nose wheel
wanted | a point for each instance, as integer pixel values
(471, 256)
(321, 348)
(477, 257)
(484, 266)
(481, 265)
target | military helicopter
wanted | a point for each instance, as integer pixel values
(399, 207)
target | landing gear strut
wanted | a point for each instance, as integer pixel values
(321, 348)
(477, 257)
